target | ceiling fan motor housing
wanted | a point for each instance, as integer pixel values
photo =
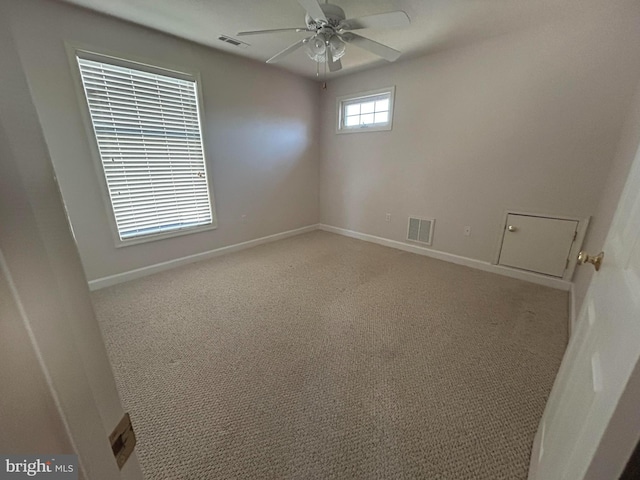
(334, 15)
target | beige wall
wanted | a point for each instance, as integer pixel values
(261, 128)
(614, 183)
(525, 121)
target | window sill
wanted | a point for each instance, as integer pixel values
(384, 128)
(161, 236)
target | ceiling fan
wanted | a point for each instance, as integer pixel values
(332, 31)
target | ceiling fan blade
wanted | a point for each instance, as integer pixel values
(275, 30)
(380, 20)
(379, 49)
(313, 9)
(287, 51)
(334, 66)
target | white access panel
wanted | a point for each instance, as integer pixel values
(537, 244)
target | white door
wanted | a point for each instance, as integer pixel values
(600, 357)
(537, 244)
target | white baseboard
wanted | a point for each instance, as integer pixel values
(159, 267)
(572, 310)
(457, 259)
(447, 257)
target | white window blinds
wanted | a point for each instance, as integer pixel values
(148, 131)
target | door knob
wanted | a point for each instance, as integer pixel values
(596, 261)
(511, 228)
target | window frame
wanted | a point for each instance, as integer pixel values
(81, 51)
(343, 100)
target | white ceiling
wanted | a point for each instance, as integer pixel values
(435, 24)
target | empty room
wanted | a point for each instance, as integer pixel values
(303, 239)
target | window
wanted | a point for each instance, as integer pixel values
(366, 112)
(147, 127)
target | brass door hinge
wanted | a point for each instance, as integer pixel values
(123, 440)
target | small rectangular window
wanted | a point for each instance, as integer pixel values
(366, 112)
(148, 132)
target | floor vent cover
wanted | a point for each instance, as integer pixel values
(420, 230)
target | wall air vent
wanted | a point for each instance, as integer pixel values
(233, 41)
(420, 230)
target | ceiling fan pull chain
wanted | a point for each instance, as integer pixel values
(324, 83)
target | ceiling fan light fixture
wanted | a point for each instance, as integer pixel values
(337, 47)
(317, 48)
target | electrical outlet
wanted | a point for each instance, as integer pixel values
(467, 231)
(387, 217)
(243, 219)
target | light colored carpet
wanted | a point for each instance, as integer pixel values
(326, 357)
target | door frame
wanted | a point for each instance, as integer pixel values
(583, 224)
(40, 261)
(618, 432)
